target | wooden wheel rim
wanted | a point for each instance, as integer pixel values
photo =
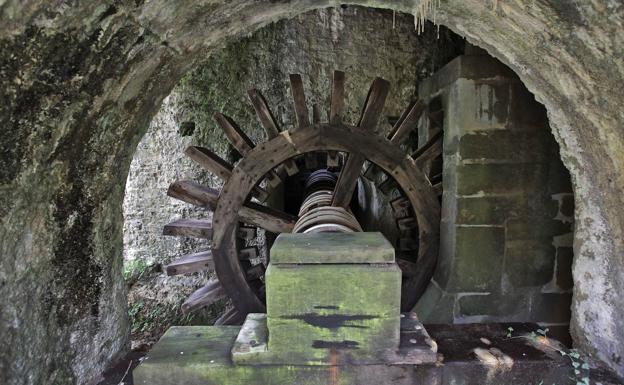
(321, 137)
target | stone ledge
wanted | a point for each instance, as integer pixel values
(200, 355)
(327, 248)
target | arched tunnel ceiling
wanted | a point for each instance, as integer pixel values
(68, 141)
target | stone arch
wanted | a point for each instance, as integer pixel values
(567, 55)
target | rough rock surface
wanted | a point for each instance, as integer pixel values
(81, 81)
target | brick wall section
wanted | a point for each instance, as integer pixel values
(507, 206)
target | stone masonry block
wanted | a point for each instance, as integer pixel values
(494, 305)
(536, 228)
(529, 263)
(478, 261)
(522, 178)
(489, 210)
(444, 269)
(371, 247)
(332, 291)
(552, 308)
(466, 67)
(346, 289)
(476, 105)
(506, 146)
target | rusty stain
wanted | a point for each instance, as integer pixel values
(333, 367)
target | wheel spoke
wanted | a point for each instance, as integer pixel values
(210, 161)
(194, 193)
(203, 297)
(191, 263)
(424, 156)
(407, 123)
(230, 317)
(248, 253)
(301, 109)
(237, 138)
(374, 104)
(264, 113)
(268, 123)
(336, 110)
(347, 180)
(267, 218)
(195, 228)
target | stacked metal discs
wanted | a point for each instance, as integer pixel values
(316, 214)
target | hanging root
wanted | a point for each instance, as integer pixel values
(424, 8)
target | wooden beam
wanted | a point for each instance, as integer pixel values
(374, 104)
(264, 113)
(347, 180)
(336, 110)
(237, 137)
(428, 152)
(194, 193)
(388, 185)
(248, 253)
(269, 123)
(246, 232)
(407, 223)
(408, 243)
(255, 272)
(210, 161)
(191, 263)
(230, 317)
(195, 228)
(241, 142)
(203, 297)
(269, 219)
(408, 268)
(301, 108)
(407, 123)
(333, 159)
(437, 188)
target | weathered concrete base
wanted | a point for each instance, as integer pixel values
(252, 348)
(200, 355)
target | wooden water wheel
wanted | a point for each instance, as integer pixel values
(238, 210)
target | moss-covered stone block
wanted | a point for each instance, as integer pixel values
(315, 308)
(362, 247)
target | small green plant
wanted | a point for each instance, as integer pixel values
(581, 368)
(135, 269)
(509, 331)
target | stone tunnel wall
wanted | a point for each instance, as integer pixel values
(82, 80)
